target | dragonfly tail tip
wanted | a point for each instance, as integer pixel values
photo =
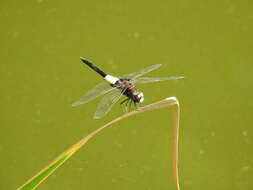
(82, 58)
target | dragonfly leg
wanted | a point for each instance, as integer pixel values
(127, 99)
(123, 108)
(125, 102)
(131, 101)
(136, 105)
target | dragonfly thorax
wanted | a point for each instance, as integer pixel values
(134, 95)
(129, 90)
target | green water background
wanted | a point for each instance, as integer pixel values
(208, 42)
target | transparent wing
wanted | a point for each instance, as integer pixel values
(141, 72)
(151, 79)
(105, 105)
(98, 90)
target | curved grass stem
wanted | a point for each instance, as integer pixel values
(37, 179)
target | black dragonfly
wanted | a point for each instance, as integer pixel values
(115, 87)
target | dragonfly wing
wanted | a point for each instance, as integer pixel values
(105, 105)
(98, 90)
(141, 72)
(151, 79)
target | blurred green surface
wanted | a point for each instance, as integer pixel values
(209, 42)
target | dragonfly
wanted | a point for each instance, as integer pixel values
(115, 87)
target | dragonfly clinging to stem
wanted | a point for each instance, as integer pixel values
(117, 86)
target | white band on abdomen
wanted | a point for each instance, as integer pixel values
(111, 79)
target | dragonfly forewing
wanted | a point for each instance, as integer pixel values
(153, 79)
(105, 105)
(141, 72)
(98, 90)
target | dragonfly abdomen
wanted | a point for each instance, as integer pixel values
(109, 78)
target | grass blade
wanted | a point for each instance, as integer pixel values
(37, 179)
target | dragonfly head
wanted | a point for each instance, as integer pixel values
(140, 97)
